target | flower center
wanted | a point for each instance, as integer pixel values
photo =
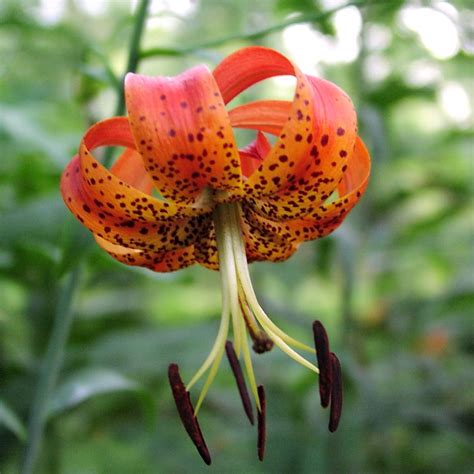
(241, 308)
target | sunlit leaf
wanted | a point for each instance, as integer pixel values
(10, 420)
(89, 383)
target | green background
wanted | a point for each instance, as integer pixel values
(394, 285)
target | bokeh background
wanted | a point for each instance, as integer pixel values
(394, 285)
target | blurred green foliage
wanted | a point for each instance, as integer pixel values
(394, 285)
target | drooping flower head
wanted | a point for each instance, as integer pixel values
(183, 193)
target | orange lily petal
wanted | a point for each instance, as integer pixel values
(253, 154)
(182, 129)
(291, 151)
(156, 261)
(264, 115)
(322, 219)
(246, 67)
(333, 142)
(128, 229)
(206, 250)
(262, 245)
(129, 168)
(116, 195)
(113, 209)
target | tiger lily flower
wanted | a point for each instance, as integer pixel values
(183, 193)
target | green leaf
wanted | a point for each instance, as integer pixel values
(89, 383)
(10, 420)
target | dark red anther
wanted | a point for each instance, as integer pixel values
(262, 435)
(336, 394)
(239, 378)
(324, 362)
(186, 412)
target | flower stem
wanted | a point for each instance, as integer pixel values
(132, 66)
(53, 358)
(50, 368)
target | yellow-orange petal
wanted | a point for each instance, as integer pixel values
(129, 168)
(115, 194)
(205, 250)
(323, 168)
(263, 115)
(263, 244)
(322, 219)
(156, 261)
(182, 130)
(253, 154)
(123, 229)
(290, 153)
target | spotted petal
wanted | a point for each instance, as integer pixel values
(323, 219)
(129, 167)
(332, 142)
(181, 128)
(291, 152)
(156, 261)
(113, 209)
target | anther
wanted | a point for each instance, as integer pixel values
(336, 394)
(261, 415)
(324, 362)
(239, 378)
(186, 412)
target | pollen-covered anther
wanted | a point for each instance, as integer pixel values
(239, 378)
(336, 394)
(325, 365)
(186, 412)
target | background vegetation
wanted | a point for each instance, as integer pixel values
(394, 285)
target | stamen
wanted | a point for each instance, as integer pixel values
(239, 378)
(336, 394)
(261, 418)
(248, 366)
(186, 412)
(321, 342)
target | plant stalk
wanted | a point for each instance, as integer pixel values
(64, 314)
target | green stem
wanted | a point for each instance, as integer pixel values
(132, 65)
(306, 18)
(53, 359)
(50, 368)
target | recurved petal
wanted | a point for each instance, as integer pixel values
(156, 261)
(321, 220)
(182, 130)
(263, 244)
(263, 115)
(290, 153)
(129, 229)
(117, 193)
(246, 67)
(129, 168)
(253, 154)
(318, 173)
(205, 249)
